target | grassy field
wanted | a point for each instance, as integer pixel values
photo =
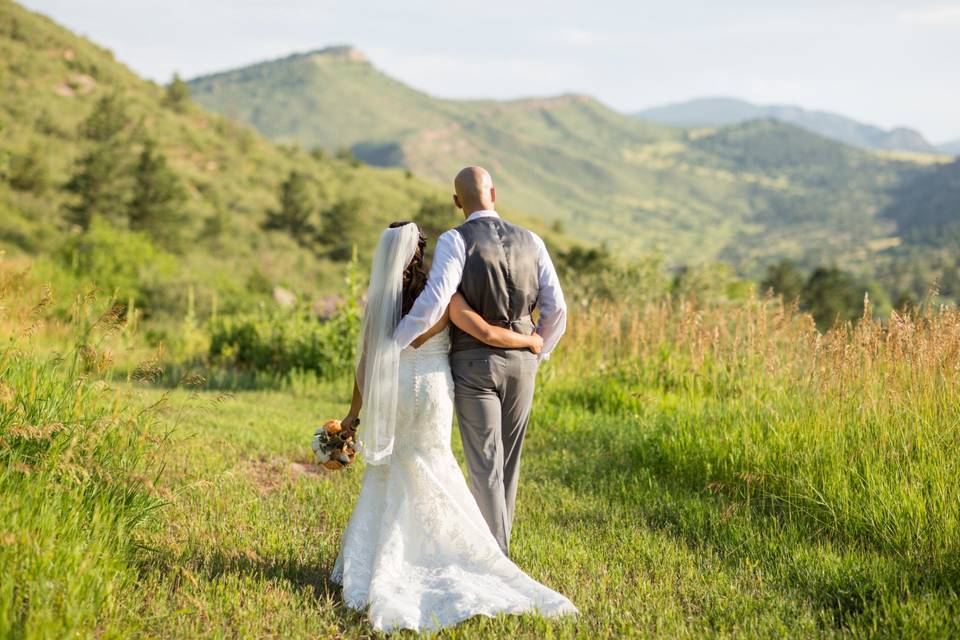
(723, 472)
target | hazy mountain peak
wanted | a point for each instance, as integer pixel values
(338, 52)
(548, 102)
(952, 147)
(719, 111)
(324, 57)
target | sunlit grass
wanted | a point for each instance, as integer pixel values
(77, 465)
(721, 471)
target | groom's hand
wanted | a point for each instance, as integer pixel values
(537, 343)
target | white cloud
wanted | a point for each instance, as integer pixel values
(931, 17)
(582, 38)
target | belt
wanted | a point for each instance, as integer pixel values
(525, 321)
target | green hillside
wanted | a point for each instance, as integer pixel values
(927, 208)
(225, 179)
(750, 193)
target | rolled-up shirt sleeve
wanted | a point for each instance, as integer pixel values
(553, 308)
(442, 283)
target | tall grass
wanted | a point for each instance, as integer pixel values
(77, 461)
(850, 436)
(718, 468)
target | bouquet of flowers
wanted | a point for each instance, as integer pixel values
(333, 445)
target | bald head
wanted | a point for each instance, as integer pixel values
(475, 191)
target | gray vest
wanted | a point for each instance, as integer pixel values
(500, 277)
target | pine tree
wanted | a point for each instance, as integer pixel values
(341, 228)
(831, 295)
(177, 94)
(106, 121)
(785, 280)
(215, 225)
(28, 171)
(98, 181)
(296, 208)
(158, 198)
(435, 216)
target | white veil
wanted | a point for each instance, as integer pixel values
(378, 354)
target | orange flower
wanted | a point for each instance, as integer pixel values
(332, 426)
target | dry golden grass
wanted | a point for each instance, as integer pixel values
(908, 348)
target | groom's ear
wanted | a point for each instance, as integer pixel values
(493, 194)
(456, 202)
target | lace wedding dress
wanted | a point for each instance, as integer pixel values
(417, 550)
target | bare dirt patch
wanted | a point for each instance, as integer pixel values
(82, 83)
(272, 474)
(308, 469)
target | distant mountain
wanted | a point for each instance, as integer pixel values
(712, 112)
(952, 147)
(750, 192)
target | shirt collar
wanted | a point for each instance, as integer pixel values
(483, 213)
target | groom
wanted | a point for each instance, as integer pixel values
(503, 272)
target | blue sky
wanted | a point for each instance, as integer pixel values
(885, 62)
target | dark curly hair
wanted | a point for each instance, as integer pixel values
(414, 277)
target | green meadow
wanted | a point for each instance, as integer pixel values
(690, 471)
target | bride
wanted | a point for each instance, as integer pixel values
(417, 550)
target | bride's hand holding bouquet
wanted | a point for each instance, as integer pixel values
(334, 445)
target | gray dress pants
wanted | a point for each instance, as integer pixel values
(494, 392)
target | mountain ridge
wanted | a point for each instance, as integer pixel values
(724, 110)
(605, 176)
(751, 193)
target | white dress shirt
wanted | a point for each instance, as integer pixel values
(444, 280)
